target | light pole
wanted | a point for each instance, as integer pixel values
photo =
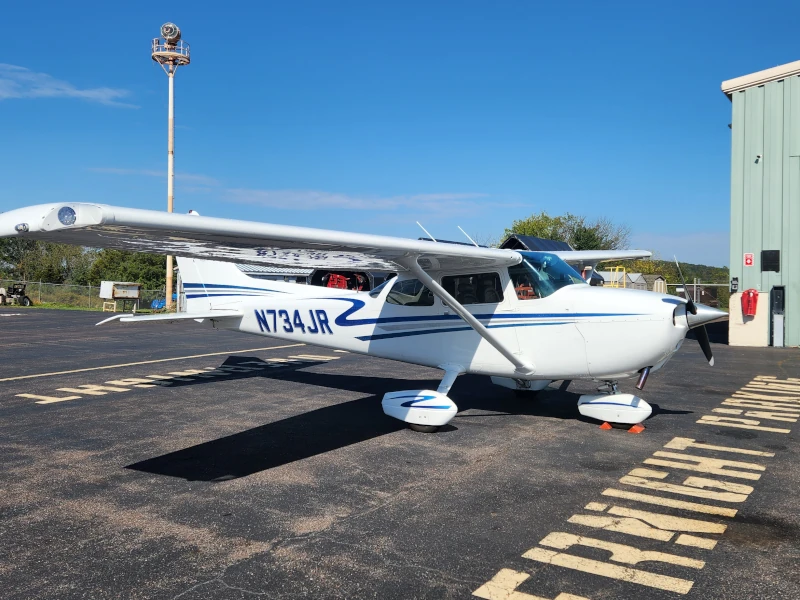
(170, 52)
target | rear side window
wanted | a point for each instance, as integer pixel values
(482, 288)
(410, 292)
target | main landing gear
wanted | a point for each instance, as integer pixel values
(424, 410)
(423, 428)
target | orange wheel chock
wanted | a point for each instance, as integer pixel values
(606, 426)
(638, 428)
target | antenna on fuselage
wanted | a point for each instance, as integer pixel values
(469, 238)
(426, 231)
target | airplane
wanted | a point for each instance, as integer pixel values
(523, 318)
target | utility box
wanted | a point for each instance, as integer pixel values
(112, 291)
(120, 290)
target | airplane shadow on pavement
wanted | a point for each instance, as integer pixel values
(339, 425)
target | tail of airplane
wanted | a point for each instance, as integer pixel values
(215, 290)
(214, 285)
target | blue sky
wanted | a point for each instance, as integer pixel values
(367, 116)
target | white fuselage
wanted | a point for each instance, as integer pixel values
(577, 332)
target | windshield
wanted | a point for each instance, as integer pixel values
(546, 273)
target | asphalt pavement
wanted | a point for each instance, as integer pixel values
(174, 461)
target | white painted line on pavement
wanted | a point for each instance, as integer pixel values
(147, 362)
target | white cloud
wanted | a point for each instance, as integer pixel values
(703, 247)
(19, 82)
(314, 199)
(439, 203)
(200, 180)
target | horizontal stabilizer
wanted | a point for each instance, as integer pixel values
(169, 317)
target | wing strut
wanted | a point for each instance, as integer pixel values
(523, 367)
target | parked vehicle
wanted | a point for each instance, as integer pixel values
(15, 295)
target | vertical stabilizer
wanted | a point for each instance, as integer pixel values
(210, 284)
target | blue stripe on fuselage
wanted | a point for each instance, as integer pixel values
(384, 336)
(217, 286)
(343, 321)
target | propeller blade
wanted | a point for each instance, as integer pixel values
(705, 343)
(690, 305)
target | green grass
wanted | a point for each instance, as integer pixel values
(61, 306)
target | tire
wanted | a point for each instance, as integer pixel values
(526, 394)
(423, 428)
(26, 301)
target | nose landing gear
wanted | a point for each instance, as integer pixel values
(611, 406)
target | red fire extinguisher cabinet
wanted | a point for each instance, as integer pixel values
(749, 302)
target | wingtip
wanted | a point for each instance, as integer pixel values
(711, 362)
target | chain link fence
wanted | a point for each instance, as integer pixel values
(716, 295)
(77, 296)
(88, 297)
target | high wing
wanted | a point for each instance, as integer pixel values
(193, 236)
(597, 256)
(156, 232)
(590, 258)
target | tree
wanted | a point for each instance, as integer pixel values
(540, 225)
(32, 260)
(12, 252)
(586, 238)
(576, 230)
(118, 265)
(669, 271)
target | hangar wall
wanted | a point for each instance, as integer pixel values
(765, 191)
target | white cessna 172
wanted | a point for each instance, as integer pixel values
(523, 318)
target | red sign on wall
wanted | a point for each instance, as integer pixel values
(748, 259)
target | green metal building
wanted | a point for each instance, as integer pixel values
(765, 203)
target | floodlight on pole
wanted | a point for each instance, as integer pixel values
(170, 52)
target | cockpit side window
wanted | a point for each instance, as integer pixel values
(481, 288)
(525, 283)
(410, 292)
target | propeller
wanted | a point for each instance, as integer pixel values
(700, 332)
